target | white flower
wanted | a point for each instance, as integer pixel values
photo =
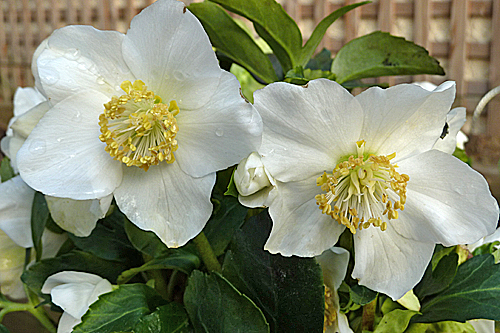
(367, 163)
(168, 109)
(334, 263)
(74, 292)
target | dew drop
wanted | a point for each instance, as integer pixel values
(37, 147)
(100, 80)
(178, 75)
(59, 139)
(219, 132)
(72, 54)
(51, 77)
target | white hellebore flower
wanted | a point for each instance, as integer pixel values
(148, 117)
(367, 163)
(74, 292)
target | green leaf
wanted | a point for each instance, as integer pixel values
(228, 37)
(361, 295)
(120, 309)
(395, 321)
(289, 290)
(320, 30)
(273, 24)
(6, 171)
(170, 318)
(39, 216)
(108, 240)
(441, 327)
(229, 217)
(473, 294)
(3, 329)
(145, 241)
(301, 76)
(80, 261)
(380, 54)
(178, 259)
(214, 305)
(231, 188)
(437, 279)
(322, 60)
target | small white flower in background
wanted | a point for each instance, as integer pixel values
(334, 263)
(148, 117)
(367, 163)
(74, 292)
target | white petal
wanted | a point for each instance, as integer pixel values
(25, 99)
(299, 227)
(52, 242)
(167, 48)
(389, 263)
(447, 201)
(343, 323)
(82, 57)
(16, 200)
(455, 120)
(67, 322)
(64, 157)
(25, 123)
(66, 277)
(334, 266)
(78, 216)
(165, 200)
(73, 298)
(306, 129)
(262, 198)
(11, 267)
(483, 325)
(220, 133)
(405, 119)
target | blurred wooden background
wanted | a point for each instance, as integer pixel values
(463, 34)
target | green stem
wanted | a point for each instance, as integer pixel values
(39, 313)
(368, 318)
(206, 252)
(171, 285)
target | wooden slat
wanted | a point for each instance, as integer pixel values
(5, 91)
(494, 79)
(421, 30)
(351, 20)
(386, 18)
(458, 44)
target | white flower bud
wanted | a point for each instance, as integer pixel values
(251, 176)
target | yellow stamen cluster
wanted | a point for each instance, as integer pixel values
(330, 312)
(138, 129)
(364, 191)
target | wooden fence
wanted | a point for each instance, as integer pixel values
(463, 34)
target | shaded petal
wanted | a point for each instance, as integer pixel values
(82, 57)
(447, 201)
(16, 200)
(64, 157)
(167, 48)
(389, 263)
(52, 242)
(306, 129)
(67, 322)
(455, 120)
(333, 263)
(25, 99)
(165, 200)
(220, 133)
(405, 119)
(10, 145)
(11, 267)
(78, 216)
(299, 227)
(25, 123)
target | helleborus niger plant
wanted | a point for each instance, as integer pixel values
(142, 191)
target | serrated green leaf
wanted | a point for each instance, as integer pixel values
(228, 37)
(395, 321)
(320, 30)
(119, 310)
(178, 259)
(145, 241)
(108, 240)
(170, 318)
(273, 24)
(6, 171)
(473, 294)
(39, 216)
(289, 290)
(380, 54)
(80, 261)
(214, 305)
(437, 279)
(441, 327)
(361, 295)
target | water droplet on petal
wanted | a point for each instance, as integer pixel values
(100, 80)
(219, 132)
(72, 54)
(50, 77)
(178, 75)
(37, 147)
(59, 139)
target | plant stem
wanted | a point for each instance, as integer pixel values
(368, 315)
(171, 285)
(206, 252)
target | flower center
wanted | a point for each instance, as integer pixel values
(138, 129)
(362, 191)
(330, 311)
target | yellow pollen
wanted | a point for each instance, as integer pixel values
(330, 311)
(138, 129)
(363, 191)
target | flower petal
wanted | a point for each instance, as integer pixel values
(16, 199)
(220, 133)
(25, 123)
(64, 157)
(82, 57)
(389, 263)
(405, 119)
(167, 48)
(299, 227)
(25, 99)
(78, 216)
(455, 120)
(334, 266)
(306, 129)
(11, 267)
(447, 201)
(165, 200)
